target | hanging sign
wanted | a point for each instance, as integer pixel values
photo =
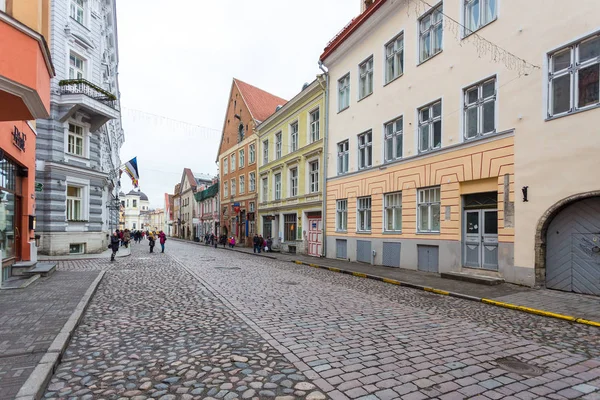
(19, 138)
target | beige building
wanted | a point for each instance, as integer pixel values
(187, 216)
(135, 206)
(453, 147)
(156, 219)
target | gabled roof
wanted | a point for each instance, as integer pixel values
(260, 103)
(349, 29)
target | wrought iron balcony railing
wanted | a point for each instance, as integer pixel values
(81, 86)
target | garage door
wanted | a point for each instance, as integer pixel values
(573, 248)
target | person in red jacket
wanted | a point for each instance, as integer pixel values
(162, 238)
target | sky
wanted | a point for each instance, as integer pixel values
(177, 60)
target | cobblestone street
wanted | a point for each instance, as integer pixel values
(199, 323)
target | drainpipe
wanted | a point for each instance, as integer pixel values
(325, 156)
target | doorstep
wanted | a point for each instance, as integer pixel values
(464, 277)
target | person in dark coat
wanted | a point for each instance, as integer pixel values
(114, 245)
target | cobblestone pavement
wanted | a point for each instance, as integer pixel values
(153, 331)
(358, 338)
(30, 319)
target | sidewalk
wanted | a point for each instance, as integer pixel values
(35, 325)
(569, 306)
(123, 252)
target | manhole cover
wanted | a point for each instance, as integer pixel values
(512, 364)
(227, 268)
(289, 283)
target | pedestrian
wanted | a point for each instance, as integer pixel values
(162, 238)
(255, 243)
(232, 242)
(126, 238)
(114, 245)
(269, 244)
(151, 241)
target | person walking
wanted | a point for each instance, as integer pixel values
(126, 238)
(162, 238)
(232, 242)
(114, 245)
(151, 241)
(255, 243)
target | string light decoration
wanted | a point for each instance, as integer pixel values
(483, 46)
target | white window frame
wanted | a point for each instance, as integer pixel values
(225, 189)
(436, 11)
(277, 186)
(572, 71)
(315, 125)
(265, 151)
(343, 157)
(278, 145)
(75, 71)
(233, 165)
(478, 105)
(252, 178)
(392, 202)
(242, 183)
(251, 154)
(392, 137)
(265, 189)
(225, 165)
(363, 214)
(233, 186)
(294, 136)
(77, 11)
(365, 145)
(365, 78)
(394, 57)
(430, 124)
(252, 206)
(242, 158)
(344, 92)
(482, 6)
(426, 201)
(313, 176)
(293, 173)
(341, 215)
(75, 135)
(72, 200)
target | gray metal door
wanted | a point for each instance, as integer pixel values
(573, 248)
(391, 254)
(428, 258)
(363, 251)
(341, 248)
(481, 239)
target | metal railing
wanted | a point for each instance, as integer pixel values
(81, 86)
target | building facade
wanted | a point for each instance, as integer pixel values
(188, 216)
(176, 228)
(208, 203)
(25, 73)
(290, 175)
(247, 107)
(78, 145)
(168, 215)
(136, 209)
(451, 155)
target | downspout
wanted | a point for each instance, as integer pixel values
(325, 157)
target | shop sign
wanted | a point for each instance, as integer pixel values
(19, 139)
(269, 218)
(39, 187)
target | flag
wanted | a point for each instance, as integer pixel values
(131, 169)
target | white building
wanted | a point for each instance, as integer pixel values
(78, 146)
(137, 208)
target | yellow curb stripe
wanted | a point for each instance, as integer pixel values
(438, 291)
(500, 304)
(298, 262)
(392, 281)
(313, 265)
(334, 269)
(587, 322)
(359, 274)
(547, 313)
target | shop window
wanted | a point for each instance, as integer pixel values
(289, 221)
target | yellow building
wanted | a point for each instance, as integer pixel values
(290, 184)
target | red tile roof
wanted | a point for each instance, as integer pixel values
(349, 29)
(260, 103)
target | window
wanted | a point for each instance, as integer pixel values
(76, 67)
(252, 181)
(294, 182)
(365, 150)
(3, 5)
(278, 146)
(478, 13)
(393, 212)
(74, 203)
(225, 166)
(266, 152)
(134, 203)
(393, 140)
(75, 141)
(242, 184)
(277, 186)
(428, 212)
(242, 158)
(233, 187)
(315, 133)
(341, 216)
(430, 127)
(252, 207)
(225, 189)
(294, 136)
(344, 93)
(480, 109)
(233, 162)
(363, 214)
(314, 176)
(240, 132)
(343, 150)
(430, 32)
(265, 190)
(77, 10)
(289, 222)
(394, 58)
(365, 78)
(573, 77)
(252, 154)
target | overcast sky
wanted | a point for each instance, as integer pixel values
(177, 60)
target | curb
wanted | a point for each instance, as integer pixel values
(457, 295)
(223, 248)
(80, 259)
(35, 385)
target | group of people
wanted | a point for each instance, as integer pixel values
(262, 244)
(123, 237)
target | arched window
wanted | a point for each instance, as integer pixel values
(241, 132)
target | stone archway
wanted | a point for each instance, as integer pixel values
(542, 230)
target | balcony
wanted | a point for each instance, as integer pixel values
(83, 96)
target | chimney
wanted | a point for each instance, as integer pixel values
(364, 4)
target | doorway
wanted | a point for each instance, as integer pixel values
(480, 231)
(315, 235)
